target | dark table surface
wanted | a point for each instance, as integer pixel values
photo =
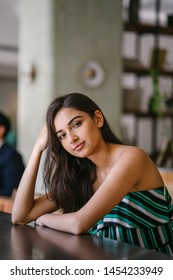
(40, 243)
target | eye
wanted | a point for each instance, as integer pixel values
(61, 136)
(77, 124)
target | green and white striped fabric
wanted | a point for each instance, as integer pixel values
(143, 218)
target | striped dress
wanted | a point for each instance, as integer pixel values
(142, 218)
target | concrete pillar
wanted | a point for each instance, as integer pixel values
(55, 38)
(37, 50)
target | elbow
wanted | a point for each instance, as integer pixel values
(77, 230)
(78, 227)
(14, 219)
(17, 220)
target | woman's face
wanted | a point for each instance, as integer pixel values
(78, 133)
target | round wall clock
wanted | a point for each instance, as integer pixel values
(92, 74)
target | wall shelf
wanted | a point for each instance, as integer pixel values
(141, 29)
(142, 70)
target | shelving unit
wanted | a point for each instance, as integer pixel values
(143, 29)
(142, 71)
(148, 28)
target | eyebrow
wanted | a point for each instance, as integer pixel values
(60, 130)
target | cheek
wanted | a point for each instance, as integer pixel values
(93, 134)
(64, 145)
(90, 128)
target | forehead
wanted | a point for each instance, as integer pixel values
(65, 115)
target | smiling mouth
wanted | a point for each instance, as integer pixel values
(79, 147)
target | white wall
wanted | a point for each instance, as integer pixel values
(36, 48)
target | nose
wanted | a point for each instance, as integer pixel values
(73, 138)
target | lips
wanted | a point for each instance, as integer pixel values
(79, 146)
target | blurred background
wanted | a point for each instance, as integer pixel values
(117, 52)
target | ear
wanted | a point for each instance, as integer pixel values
(98, 118)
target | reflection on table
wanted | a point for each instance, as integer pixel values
(35, 242)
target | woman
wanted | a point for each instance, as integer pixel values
(97, 184)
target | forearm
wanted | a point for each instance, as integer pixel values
(24, 200)
(69, 222)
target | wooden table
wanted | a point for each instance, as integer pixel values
(40, 243)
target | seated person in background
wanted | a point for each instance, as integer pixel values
(101, 186)
(11, 163)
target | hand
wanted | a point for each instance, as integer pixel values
(39, 221)
(42, 140)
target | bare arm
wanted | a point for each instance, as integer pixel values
(125, 176)
(26, 208)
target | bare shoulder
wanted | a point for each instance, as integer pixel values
(134, 154)
(137, 159)
(136, 163)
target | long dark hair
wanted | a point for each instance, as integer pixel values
(68, 178)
